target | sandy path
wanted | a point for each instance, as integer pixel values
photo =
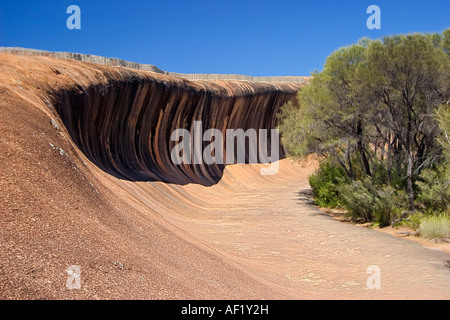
(263, 226)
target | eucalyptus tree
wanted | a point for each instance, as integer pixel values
(332, 118)
(410, 77)
(375, 101)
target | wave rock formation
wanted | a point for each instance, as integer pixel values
(122, 118)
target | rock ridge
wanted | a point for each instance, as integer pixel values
(115, 62)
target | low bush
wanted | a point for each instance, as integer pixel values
(433, 191)
(358, 200)
(413, 220)
(370, 198)
(385, 207)
(435, 227)
(325, 184)
(365, 202)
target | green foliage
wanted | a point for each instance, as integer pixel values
(358, 200)
(413, 220)
(433, 191)
(435, 227)
(379, 113)
(384, 206)
(326, 194)
(363, 199)
(325, 184)
(364, 202)
(292, 126)
(443, 118)
(445, 45)
(432, 226)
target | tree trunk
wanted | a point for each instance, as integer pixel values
(362, 150)
(409, 168)
(344, 167)
(389, 159)
(365, 161)
(349, 161)
(409, 182)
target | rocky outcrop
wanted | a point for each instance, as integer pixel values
(123, 119)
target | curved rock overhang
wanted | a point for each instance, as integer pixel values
(123, 119)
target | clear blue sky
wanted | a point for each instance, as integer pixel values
(260, 38)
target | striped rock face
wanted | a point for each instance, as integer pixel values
(125, 120)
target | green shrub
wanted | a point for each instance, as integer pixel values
(357, 200)
(325, 184)
(435, 227)
(365, 202)
(327, 195)
(384, 206)
(433, 191)
(379, 172)
(365, 199)
(413, 220)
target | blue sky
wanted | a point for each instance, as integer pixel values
(259, 38)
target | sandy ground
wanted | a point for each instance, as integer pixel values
(404, 232)
(263, 224)
(247, 237)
